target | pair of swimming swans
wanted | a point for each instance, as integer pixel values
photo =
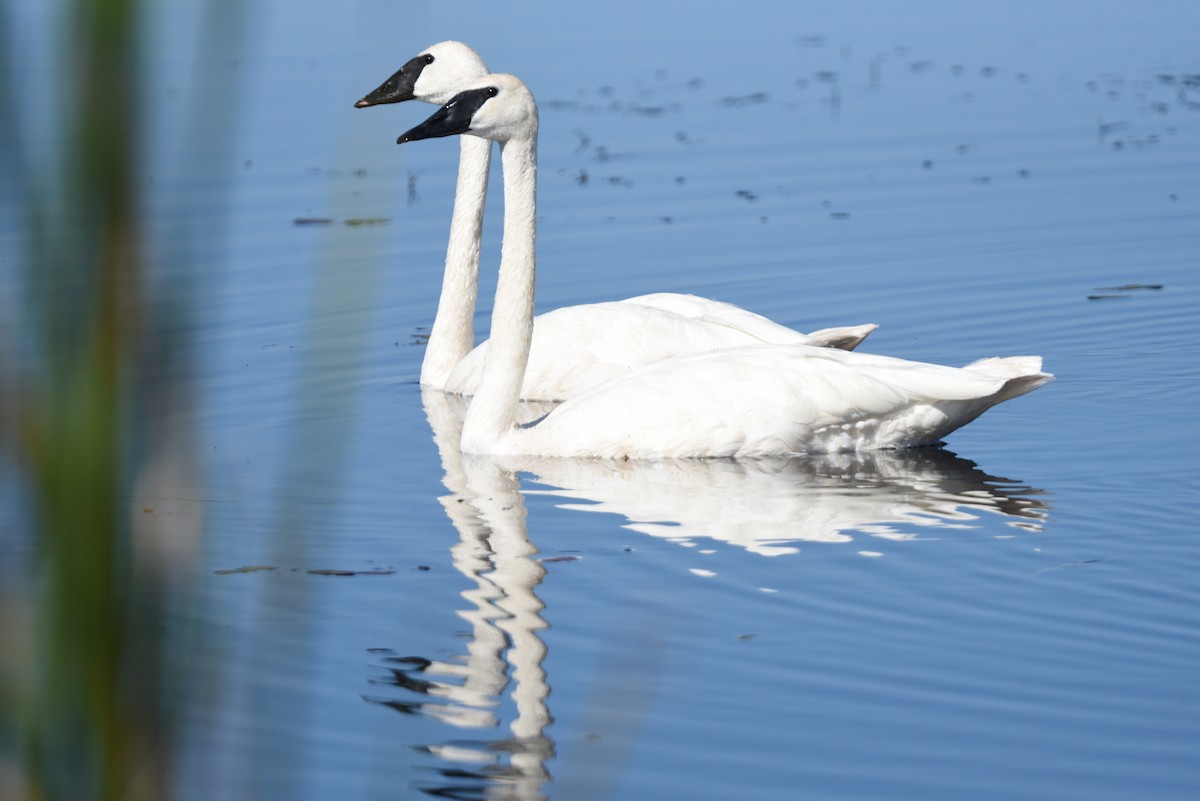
(709, 396)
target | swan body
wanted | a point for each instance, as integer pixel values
(750, 401)
(574, 347)
(764, 400)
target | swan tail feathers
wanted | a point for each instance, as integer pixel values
(846, 337)
(1021, 374)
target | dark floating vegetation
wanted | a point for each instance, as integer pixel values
(353, 222)
(375, 571)
(1121, 292)
(738, 101)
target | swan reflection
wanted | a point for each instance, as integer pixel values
(768, 505)
(763, 506)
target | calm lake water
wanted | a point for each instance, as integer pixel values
(1011, 617)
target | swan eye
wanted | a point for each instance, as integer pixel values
(428, 59)
(492, 91)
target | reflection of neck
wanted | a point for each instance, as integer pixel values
(496, 494)
(516, 611)
(453, 333)
(492, 414)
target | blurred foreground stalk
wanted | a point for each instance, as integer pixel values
(87, 718)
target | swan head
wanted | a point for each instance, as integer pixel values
(434, 75)
(498, 107)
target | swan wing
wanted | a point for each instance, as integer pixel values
(716, 312)
(577, 347)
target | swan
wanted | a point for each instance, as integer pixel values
(574, 347)
(748, 401)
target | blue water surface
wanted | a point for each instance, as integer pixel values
(1011, 617)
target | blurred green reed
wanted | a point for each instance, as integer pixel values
(86, 410)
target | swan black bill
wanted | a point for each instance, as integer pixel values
(399, 87)
(453, 118)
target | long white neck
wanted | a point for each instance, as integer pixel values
(453, 332)
(493, 413)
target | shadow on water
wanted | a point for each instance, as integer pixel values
(762, 506)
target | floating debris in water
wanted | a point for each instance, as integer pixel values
(737, 101)
(654, 111)
(747, 195)
(353, 221)
(554, 559)
(1121, 291)
(1077, 563)
(246, 569)
(377, 571)
(585, 141)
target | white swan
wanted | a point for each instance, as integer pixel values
(574, 347)
(749, 401)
